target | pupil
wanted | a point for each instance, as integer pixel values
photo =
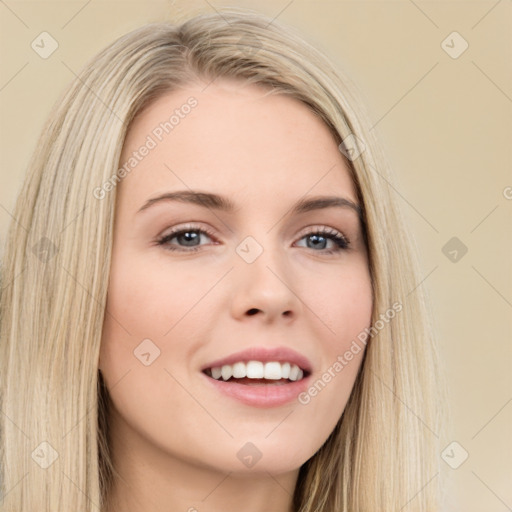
(317, 238)
(190, 236)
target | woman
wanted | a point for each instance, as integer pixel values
(210, 301)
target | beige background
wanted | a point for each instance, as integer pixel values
(447, 127)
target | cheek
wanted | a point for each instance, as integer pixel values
(148, 300)
(145, 302)
(353, 318)
(343, 303)
(153, 306)
(345, 309)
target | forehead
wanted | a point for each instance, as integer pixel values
(233, 138)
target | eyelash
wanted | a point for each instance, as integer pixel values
(342, 242)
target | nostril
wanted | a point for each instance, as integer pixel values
(252, 311)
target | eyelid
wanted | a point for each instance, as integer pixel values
(325, 229)
(190, 226)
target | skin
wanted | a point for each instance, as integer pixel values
(175, 440)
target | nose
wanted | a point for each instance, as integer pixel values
(264, 288)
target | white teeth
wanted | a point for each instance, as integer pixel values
(294, 372)
(272, 370)
(216, 372)
(239, 370)
(255, 370)
(227, 371)
(285, 370)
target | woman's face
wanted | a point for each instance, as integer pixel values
(197, 287)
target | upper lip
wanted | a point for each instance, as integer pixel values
(264, 354)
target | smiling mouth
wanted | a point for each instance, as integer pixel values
(257, 373)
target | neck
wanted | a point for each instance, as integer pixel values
(214, 492)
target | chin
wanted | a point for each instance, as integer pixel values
(263, 456)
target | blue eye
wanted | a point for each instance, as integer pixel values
(189, 240)
(320, 238)
(190, 237)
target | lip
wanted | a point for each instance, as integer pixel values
(262, 395)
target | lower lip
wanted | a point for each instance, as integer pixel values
(260, 395)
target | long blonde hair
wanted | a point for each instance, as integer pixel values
(382, 455)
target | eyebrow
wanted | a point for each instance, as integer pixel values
(224, 204)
